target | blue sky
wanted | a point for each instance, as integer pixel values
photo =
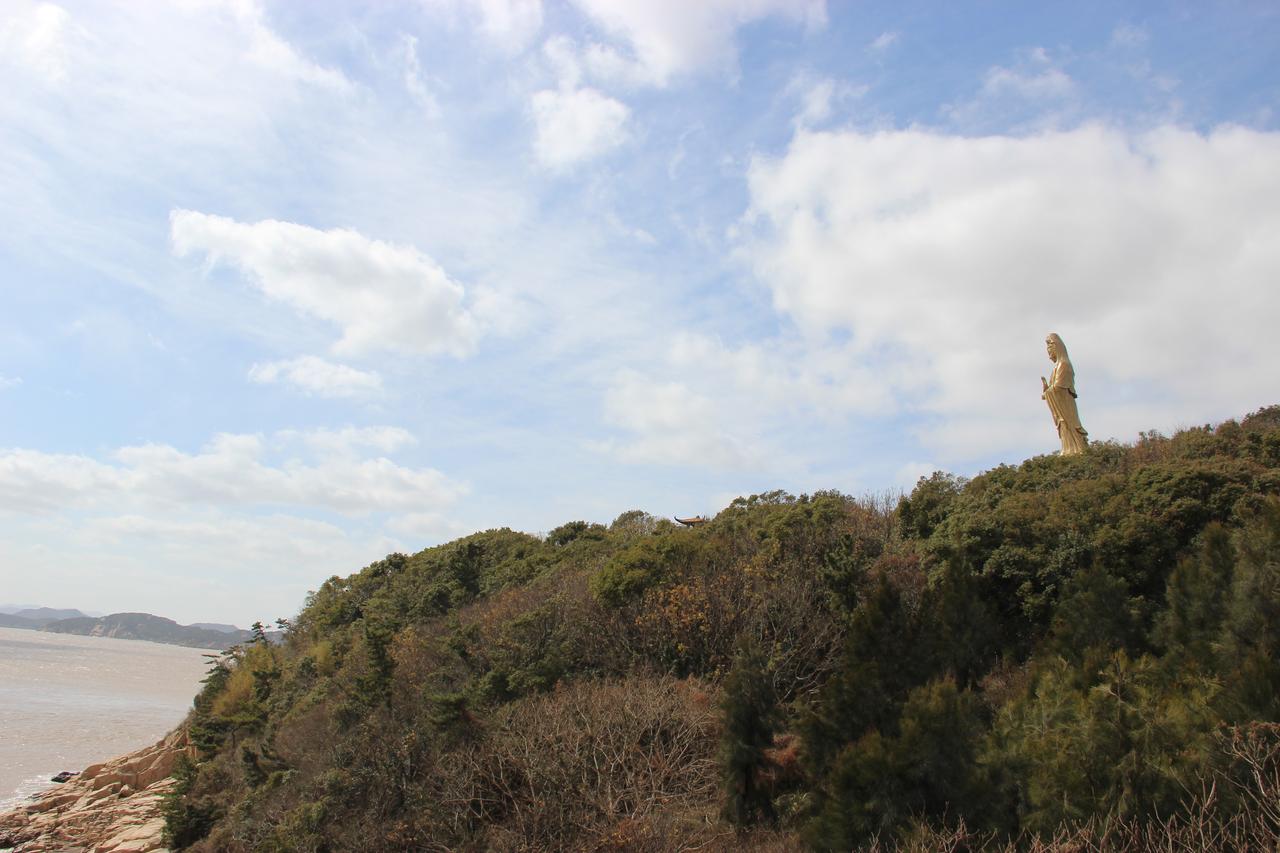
(287, 286)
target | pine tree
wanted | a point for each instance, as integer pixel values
(881, 661)
(1196, 598)
(962, 632)
(1251, 636)
(927, 770)
(750, 718)
(1094, 616)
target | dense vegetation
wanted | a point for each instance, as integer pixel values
(1079, 651)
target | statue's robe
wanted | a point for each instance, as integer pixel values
(1061, 397)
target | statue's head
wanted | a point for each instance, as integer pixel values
(1056, 348)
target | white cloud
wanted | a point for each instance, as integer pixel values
(346, 440)
(645, 406)
(1036, 85)
(817, 97)
(1151, 253)
(670, 424)
(708, 404)
(561, 54)
(573, 125)
(269, 51)
(672, 37)
(9, 382)
(787, 375)
(508, 25)
(272, 537)
(427, 526)
(511, 24)
(910, 473)
(230, 471)
(1128, 35)
(883, 42)
(313, 375)
(383, 296)
(1032, 92)
(608, 63)
(39, 39)
(191, 565)
(175, 532)
(414, 83)
(815, 103)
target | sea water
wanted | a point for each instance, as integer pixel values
(67, 702)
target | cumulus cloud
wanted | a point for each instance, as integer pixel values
(667, 38)
(230, 471)
(575, 124)
(946, 259)
(313, 375)
(382, 296)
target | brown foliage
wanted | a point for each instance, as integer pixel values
(572, 769)
(783, 769)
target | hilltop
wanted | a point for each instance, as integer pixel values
(127, 626)
(35, 618)
(155, 629)
(1075, 648)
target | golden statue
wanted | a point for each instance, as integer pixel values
(1060, 393)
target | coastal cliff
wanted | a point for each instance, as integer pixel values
(112, 807)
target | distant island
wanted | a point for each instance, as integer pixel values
(35, 618)
(126, 626)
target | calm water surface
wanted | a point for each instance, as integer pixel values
(67, 702)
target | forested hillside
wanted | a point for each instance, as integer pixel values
(1079, 648)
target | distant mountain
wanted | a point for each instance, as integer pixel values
(8, 620)
(217, 626)
(36, 618)
(144, 626)
(45, 615)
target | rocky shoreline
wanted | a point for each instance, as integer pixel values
(112, 807)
